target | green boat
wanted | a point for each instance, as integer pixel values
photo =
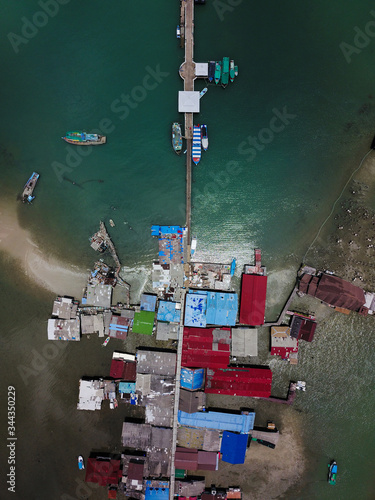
(332, 473)
(176, 137)
(217, 72)
(84, 139)
(225, 72)
(231, 71)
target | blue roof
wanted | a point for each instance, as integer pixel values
(210, 308)
(167, 311)
(216, 420)
(148, 302)
(161, 493)
(126, 387)
(163, 230)
(192, 379)
(195, 310)
(233, 447)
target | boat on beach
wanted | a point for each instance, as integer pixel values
(332, 473)
(231, 71)
(204, 137)
(211, 70)
(83, 139)
(225, 72)
(176, 137)
(27, 195)
(81, 463)
(217, 72)
(196, 149)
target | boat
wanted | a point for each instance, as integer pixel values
(106, 341)
(225, 72)
(81, 463)
(332, 473)
(203, 92)
(233, 267)
(236, 71)
(83, 139)
(178, 32)
(217, 72)
(111, 223)
(196, 150)
(204, 137)
(193, 245)
(231, 71)
(28, 189)
(211, 70)
(176, 137)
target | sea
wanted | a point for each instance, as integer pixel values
(284, 138)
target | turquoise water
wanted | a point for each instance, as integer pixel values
(71, 75)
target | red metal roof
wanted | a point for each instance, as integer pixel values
(200, 351)
(307, 330)
(253, 299)
(124, 370)
(186, 458)
(135, 470)
(117, 368)
(103, 471)
(251, 382)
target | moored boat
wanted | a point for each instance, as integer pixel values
(27, 195)
(236, 71)
(83, 139)
(81, 463)
(178, 32)
(196, 149)
(332, 473)
(176, 137)
(204, 137)
(231, 71)
(203, 92)
(211, 70)
(193, 245)
(217, 72)
(225, 72)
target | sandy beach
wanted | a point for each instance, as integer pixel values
(47, 272)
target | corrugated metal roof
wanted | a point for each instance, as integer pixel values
(156, 362)
(233, 447)
(253, 299)
(208, 347)
(148, 302)
(143, 322)
(169, 311)
(244, 342)
(252, 382)
(218, 420)
(192, 379)
(191, 402)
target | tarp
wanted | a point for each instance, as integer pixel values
(233, 447)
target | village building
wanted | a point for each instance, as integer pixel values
(65, 308)
(251, 382)
(203, 307)
(283, 344)
(235, 422)
(192, 379)
(104, 470)
(206, 347)
(244, 342)
(64, 329)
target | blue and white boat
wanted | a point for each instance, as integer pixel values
(196, 150)
(202, 92)
(178, 32)
(27, 195)
(81, 463)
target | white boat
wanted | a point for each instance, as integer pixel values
(106, 341)
(111, 223)
(81, 463)
(178, 32)
(204, 137)
(193, 245)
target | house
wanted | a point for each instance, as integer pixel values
(283, 344)
(244, 342)
(203, 307)
(235, 422)
(156, 362)
(104, 470)
(206, 347)
(253, 299)
(251, 382)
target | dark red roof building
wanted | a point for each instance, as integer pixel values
(251, 382)
(103, 471)
(333, 290)
(124, 370)
(206, 347)
(192, 459)
(253, 299)
(302, 328)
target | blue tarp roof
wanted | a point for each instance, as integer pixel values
(210, 308)
(163, 230)
(167, 311)
(148, 302)
(217, 420)
(233, 447)
(192, 379)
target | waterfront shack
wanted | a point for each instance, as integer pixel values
(206, 347)
(64, 329)
(103, 469)
(65, 308)
(251, 382)
(283, 344)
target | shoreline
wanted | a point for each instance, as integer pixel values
(46, 272)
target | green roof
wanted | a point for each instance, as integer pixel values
(143, 322)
